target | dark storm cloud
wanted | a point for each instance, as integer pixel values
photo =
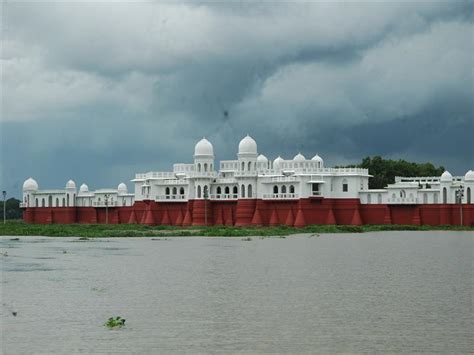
(99, 91)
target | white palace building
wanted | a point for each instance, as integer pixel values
(254, 176)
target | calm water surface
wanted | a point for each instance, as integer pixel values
(374, 292)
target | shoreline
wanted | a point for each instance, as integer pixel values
(19, 228)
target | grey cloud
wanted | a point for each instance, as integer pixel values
(97, 92)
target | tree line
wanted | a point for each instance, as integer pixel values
(385, 170)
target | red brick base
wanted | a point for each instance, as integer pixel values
(296, 213)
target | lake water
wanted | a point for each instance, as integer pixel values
(373, 292)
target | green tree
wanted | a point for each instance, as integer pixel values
(13, 210)
(385, 170)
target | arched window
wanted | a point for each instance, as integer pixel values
(234, 190)
(36, 204)
(219, 190)
(255, 166)
(211, 167)
(199, 167)
(275, 189)
(445, 195)
(402, 193)
(73, 199)
(67, 200)
(242, 191)
(249, 191)
(181, 191)
(379, 198)
(369, 198)
(468, 195)
(124, 203)
(345, 186)
(227, 190)
(205, 167)
(64, 202)
(243, 166)
(283, 189)
(425, 198)
(435, 198)
(394, 196)
(50, 201)
(199, 191)
(167, 191)
(42, 202)
(292, 189)
(57, 202)
(206, 192)
(249, 166)
(175, 190)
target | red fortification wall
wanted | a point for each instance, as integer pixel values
(244, 212)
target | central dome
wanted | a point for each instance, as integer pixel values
(204, 147)
(248, 146)
(84, 188)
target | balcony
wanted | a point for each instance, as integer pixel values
(173, 182)
(285, 196)
(246, 173)
(171, 198)
(103, 204)
(203, 174)
(224, 196)
(403, 200)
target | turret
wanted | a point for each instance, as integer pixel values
(70, 194)
(203, 156)
(30, 186)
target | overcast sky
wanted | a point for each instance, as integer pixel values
(99, 91)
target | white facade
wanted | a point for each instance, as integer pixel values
(70, 197)
(250, 176)
(253, 176)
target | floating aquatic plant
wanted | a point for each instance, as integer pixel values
(113, 323)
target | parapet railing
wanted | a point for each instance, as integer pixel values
(170, 198)
(403, 200)
(284, 196)
(173, 182)
(103, 204)
(155, 175)
(224, 196)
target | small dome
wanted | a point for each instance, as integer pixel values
(299, 157)
(70, 185)
(84, 188)
(122, 188)
(262, 159)
(446, 176)
(30, 185)
(469, 176)
(317, 158)
(203, 147)
(248, 146)
(277, 162)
